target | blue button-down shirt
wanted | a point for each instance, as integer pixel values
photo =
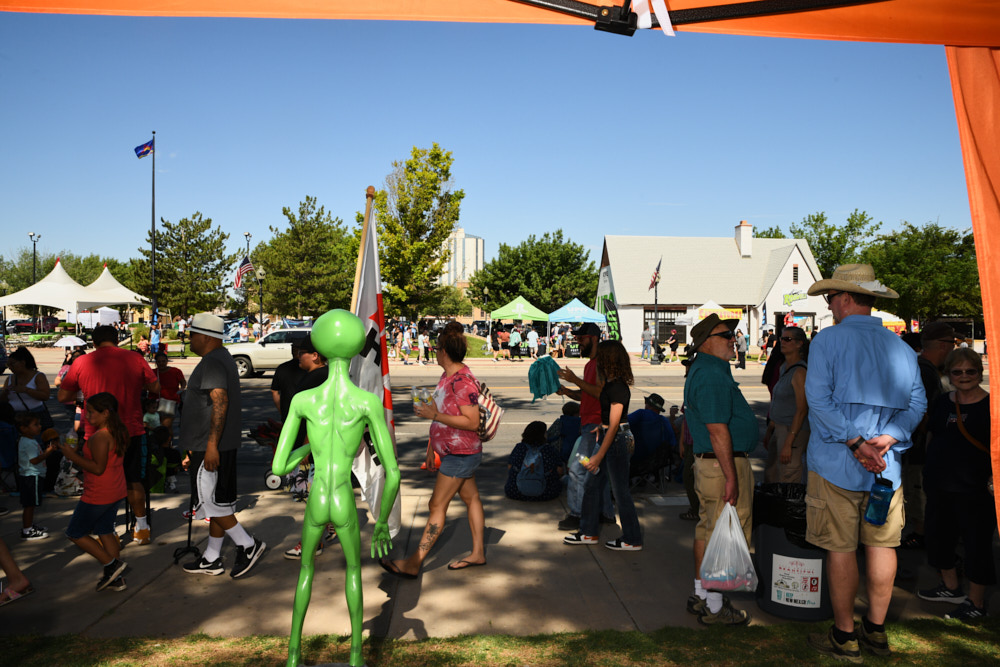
(863, 381)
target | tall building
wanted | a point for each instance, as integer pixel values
(466, 257)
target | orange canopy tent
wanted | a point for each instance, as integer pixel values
(969, 29)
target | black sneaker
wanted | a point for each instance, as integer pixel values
(967, 611)
(849, 651)
(112, 571)
(117, 585)
(247, 558)
(570, 523)
(202, 566)
(31, 534)
(943, 594)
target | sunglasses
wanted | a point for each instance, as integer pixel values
(830, 296)
(728, 335)
(958, 372)
(789, 339)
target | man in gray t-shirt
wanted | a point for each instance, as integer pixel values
(217, 370)
(211, 430)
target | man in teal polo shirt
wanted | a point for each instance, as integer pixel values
(725, 431)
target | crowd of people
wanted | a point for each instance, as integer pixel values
(838, 423)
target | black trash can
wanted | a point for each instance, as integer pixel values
(792, 572)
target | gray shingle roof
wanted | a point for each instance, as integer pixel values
(699, 269)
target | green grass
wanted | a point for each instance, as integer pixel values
(922, 641)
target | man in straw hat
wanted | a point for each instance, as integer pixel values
(865, 399)
(724, 430)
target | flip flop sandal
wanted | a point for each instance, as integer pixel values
(467, 565)
(391, 568)
(10, 595)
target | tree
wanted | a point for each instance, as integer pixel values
(770, 233)
(934, 270)
(548, 272)
(192, 266)
(309, 265)
(415, 213)
(451, 302)
(832, 245)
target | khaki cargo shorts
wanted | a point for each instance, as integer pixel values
(835, 518)
(710, 485)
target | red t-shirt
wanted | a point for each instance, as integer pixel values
(170, 383)
(590, 407)
(452, 393)
(108, 487)
(121, 373)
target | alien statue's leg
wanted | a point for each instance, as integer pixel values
(312, 532)
(345, 520)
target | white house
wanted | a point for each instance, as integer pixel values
(758, 280)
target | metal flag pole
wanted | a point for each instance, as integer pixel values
(152, 235)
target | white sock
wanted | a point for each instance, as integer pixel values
(214, 549)
(714, 602)
(698, 590)
(141, 523)
(240, 536)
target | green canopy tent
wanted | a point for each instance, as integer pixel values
(519, 309)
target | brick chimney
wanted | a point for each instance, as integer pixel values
(744, 238)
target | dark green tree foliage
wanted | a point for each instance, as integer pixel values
(192, 266)
(416, 212)
(834, 245)
(452, 302)
(770, 233)
(934, 270)
(548, 272)
(308, 264)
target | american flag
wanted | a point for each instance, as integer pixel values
(245, 268)
(656, 275)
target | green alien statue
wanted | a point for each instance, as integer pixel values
(336, 414)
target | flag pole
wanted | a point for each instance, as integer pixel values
(369, 198)
(152, 234)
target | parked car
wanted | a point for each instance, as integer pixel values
(47, 325)
(18, 326)
(266, 354)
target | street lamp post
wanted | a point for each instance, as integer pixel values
(249, 236)
(35, 238)
(4, 287)
(489, 320)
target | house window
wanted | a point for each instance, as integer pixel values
(795, 274)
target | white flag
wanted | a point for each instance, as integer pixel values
(370, 371)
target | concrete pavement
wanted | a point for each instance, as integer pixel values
(533, 583)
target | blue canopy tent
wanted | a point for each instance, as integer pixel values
(576, 311)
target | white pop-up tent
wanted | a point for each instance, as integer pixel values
(113, 292)
(59, 290)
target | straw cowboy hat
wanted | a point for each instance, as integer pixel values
(856, 278)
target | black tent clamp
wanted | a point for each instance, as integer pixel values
(622, 20)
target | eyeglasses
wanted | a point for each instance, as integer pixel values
(789, 339)
(958, 372)
(950, 342)
(830, 296)
(728, 335)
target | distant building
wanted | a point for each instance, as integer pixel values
(466, 257)
(754, 279)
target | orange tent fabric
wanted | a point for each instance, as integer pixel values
(952, 22)
(975, 83)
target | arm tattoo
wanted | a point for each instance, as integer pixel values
(220, 406)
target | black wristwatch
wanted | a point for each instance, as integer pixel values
(857, 443)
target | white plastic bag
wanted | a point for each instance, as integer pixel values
(727, 565)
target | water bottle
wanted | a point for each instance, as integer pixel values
(878, 501)
(584, 460)
(71, 439)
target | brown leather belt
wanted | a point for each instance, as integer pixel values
(711, 455)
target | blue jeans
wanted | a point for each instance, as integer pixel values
(578, 476)
(614, 471)
(647, 349)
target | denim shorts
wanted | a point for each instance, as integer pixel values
(90, 519)
(462, 466)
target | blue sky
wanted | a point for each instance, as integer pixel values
(550, 127)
